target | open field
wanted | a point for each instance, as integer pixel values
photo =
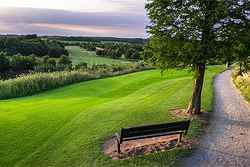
(79, 55)
(67, 126)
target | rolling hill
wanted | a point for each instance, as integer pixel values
(67, 126)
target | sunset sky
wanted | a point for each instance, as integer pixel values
(120, 18)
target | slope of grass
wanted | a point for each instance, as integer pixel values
(79, 55)
(67, 126)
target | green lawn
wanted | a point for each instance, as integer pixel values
(67, 126)
(79, 55)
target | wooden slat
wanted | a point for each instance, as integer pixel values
(151, 136)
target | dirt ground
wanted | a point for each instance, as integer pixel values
(142, 146)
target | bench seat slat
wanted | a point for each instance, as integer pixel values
(152, 131)
(152, 135)
(156, 126)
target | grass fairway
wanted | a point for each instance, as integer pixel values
(66, 127)
(79, 55)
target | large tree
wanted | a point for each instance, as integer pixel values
(187, 33)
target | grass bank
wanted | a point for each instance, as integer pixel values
(66, 127)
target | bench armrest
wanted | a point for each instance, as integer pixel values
(118, 138)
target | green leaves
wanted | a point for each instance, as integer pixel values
(188, 32)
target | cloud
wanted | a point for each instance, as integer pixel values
(65, 29)
(80, 5)
(57, 22)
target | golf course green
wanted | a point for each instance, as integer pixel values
(66, 127)
(79, 55)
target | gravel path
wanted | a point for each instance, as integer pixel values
(226, 142)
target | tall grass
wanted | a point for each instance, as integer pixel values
(37, 82)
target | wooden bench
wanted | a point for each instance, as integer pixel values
(150, 131)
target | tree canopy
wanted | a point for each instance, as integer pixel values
(194, 33)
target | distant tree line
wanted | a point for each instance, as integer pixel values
(98, 39)
(31, 44)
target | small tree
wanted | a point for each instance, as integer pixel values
(4, 64)
(241, 48)
(64, 60)
(240, 51)
(51, 61)
(82, 65)
(45, 59)
(20, 64)
(185, 33)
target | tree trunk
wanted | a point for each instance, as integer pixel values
(229, 64)
(195, 104)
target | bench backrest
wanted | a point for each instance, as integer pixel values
(154, 129)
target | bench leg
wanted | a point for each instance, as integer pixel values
(180, 138)
(118, 147)
(118, 143)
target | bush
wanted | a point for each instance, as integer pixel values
(243, 83)
(64, 60)
(4, 66)
(21, 63)
(82, 65)
(45, 68)
(4, 63)
(51, 61)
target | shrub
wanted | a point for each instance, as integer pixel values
(51, 61)
(64, 60)
(82, 65)
(45, 68)
(243, 83)
(21, 63)
(4, 63)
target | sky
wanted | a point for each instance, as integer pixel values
(118, 18)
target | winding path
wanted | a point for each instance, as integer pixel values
(226, 142)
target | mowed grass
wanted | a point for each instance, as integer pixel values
(66, 127)
(79, 55)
